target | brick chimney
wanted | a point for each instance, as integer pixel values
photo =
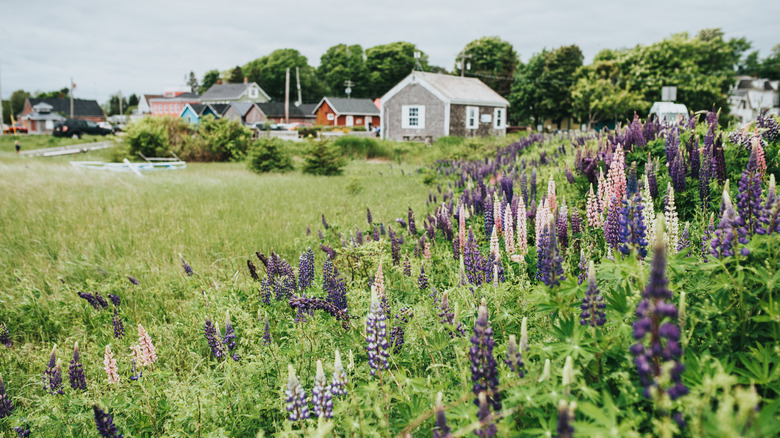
(246, 80)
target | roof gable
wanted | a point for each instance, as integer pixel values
(231, 91)
(81, 107)
(342, 105)
(276, 109)
(452, 89)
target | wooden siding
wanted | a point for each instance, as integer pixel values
(484, 129)
(413, 94)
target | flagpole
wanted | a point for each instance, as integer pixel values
(71, 97)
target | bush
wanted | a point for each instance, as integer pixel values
(324, 158)
(223, 140)
(269, 155)
(155, 136)
(306, 131)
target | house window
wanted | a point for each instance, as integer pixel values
(472, 117)
(253, 93)
(413, 117)
(350, 121)
(330, 116)
(499, 118)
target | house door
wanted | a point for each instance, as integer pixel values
(350, 121)
(368, 122)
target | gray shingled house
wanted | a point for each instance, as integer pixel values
(227, 93)
(426, 106)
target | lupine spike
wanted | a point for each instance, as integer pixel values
(76, 371)
(105, 424)
(484, 372)
(145, 341)
(6, 407)
(564, 428)
(441, 430)
(376, 335)
(338, 385)
(593, 304)
(109, 365)
(545, 371)
(321, 397)
(297, 405)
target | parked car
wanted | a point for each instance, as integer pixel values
(16, 128)
(264, 126)
(76, 128)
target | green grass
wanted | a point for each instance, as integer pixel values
(30, 142)
(61, 221)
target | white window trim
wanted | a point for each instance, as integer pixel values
(496, 119)
(469, 110)
(405, 109)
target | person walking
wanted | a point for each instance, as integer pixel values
(17, 146)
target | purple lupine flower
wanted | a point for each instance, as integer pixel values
(657, 332)
(252, 270)
(401, 222)
(456, 249)
(186, 266)
(308, 230)
(704, 181)
(487, 426)
(729, 230)
(524, 187)
(115, 300)
(422, 280)
(407, 266)
(569, 175)
(633, 182)
(593, 304)
(693, 156)
(488, 206)
(328, 250)
(652, 178)
(564, 429)
(395, 248)
(749, 196)
(91, 300)
(52, 376)
(6, 407)
(440, 429)
(368, 216)
(5, 336)
(484, 372)
(583, 265)
(672, 144)
(338, 385)
(334, 286)
(133, 280)
(677, 172)
(375, 234)
(302, 305)
(267, 333)
(473, 260)
(576, 221)
(513, 357)
(119, 326)
(412, 224)
(213, 338)
(306, 269)
(229, 340)
(134, 373)
(22, 431)
(265, 291)
(397, 332)
(382, 228)
(447, 317)
(551, 266)
(324, 222)
(321, 397)
(719, 159)
(319, 234)
(76, 371)
(376, 336)
(562, 226)
(102, 301)
(105, 424)
(533, 186)
(612, 224)
(685, 238)
(632, 233)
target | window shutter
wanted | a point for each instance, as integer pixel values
(405, 116)
(421, 112)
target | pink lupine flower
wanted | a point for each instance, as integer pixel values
(760, 158)
(522, 228)
(494, 248)
(616, 177)
(509, 232)
(551, 204)
(497, 213)
(427, 250)
(379, 281)
(594, 218)
(462, 228)
(603, 193)
(109, 364)
(147, 348)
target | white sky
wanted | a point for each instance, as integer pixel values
(142, 46)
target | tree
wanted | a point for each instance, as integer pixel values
(209, 79)
(557, 80)
(342, 63)
(132, 100)
(595, 99)
(112, 107)
(388, 64)
(269, 72)
(236, 75)
(525, 93)
(193, 83)
(57, 94)
(770, 66)
(17, 100)
(493, 61)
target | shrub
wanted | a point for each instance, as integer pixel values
(269, 155)
(306, 131)
(324, 158)
(365, 147)
(155, 136)
(223, 139)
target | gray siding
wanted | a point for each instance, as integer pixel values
(458, 122)
(413, 94)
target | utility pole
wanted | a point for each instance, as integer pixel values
(298, 81)
(120, 103)
(1, 106)
(287, 97)
(463, 65)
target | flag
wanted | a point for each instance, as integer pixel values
(72, 85)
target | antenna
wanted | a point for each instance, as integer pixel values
(349, 84)
(417, 65)
(298, 80)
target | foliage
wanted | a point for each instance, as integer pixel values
(112, 106)
(236, 76)
(155, 136)
(192, 82)
(493, 61)
(342, 63)
(209, 80)
(388, 64)
(219, 140)
(269, 72)
(364, 147)
(323, 158)
(269, 155)
(596, 98)
(56, 94)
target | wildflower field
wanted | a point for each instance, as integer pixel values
(615, 284)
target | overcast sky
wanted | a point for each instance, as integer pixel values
(140, 46)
